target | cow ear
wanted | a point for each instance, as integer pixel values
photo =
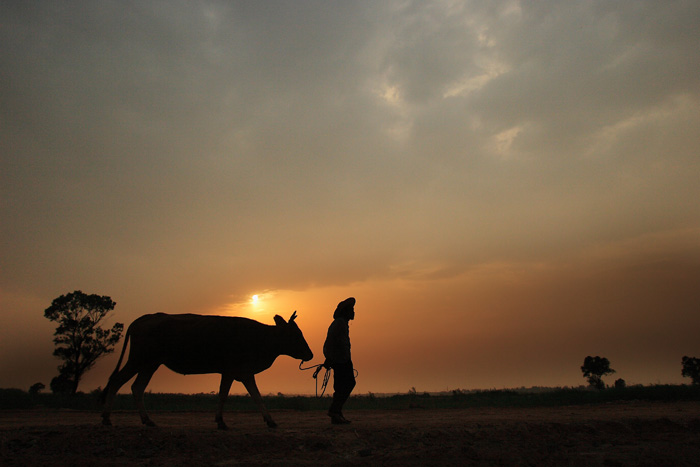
(279, 320)
(293, 317)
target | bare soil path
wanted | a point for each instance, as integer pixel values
(621, 434)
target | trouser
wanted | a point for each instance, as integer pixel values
(343, 383)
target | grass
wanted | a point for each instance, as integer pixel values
(543, 397)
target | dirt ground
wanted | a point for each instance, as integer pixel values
(636, 433)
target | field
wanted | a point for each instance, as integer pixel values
(617, 433)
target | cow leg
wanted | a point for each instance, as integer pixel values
(252, 387)
(224, 388)
(116, 381)
(138, 389)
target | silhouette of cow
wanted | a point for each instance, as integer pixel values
(237, 348)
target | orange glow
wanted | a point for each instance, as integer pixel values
(500, 325)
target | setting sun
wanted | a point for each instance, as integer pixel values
(254, 299)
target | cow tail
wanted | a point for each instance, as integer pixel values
(121, 357)
(103, 396)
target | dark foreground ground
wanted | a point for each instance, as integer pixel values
(620, 434)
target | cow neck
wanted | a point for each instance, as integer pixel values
(276, 343)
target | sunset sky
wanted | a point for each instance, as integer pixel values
(505, 187)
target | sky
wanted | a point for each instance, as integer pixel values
(505, 187)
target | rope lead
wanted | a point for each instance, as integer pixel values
(326, 376)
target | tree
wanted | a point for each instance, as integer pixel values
(79, 338)
(691, 369)
(36, 388)
(594, 368)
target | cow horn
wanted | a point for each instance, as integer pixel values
(294, 315)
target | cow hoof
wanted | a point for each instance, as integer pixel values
(271, 424)
(338, 419)
(149, 422)
(221, 426)
(106, 422)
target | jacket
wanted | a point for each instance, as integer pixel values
(336, 349)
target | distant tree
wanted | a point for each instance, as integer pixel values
(691, 369)
(79, 338)
(36, 388)
(594, 368)
(620, 384)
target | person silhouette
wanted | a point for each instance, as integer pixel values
(336, 349)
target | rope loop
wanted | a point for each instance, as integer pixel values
(326, 376)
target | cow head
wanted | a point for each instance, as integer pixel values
(292, 341)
